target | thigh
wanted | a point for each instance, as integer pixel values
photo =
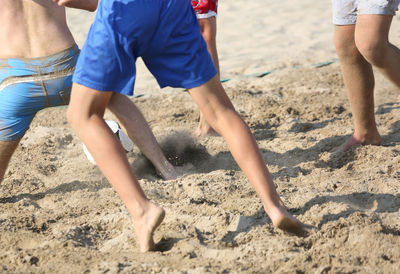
(344, 36)
(208, 27)
(373, 28)
(86, 102)
(374, 19)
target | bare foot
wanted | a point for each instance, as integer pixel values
(204, 131)
(354, 141)
(145, 225)
(286, 222)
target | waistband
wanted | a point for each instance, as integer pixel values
(40, 65)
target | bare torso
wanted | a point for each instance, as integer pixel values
(32, 28)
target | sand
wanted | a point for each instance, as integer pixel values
(59, 215)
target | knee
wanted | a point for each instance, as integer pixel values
(373, 50)
(346, 47)
(209, 37)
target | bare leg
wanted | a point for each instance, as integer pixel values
(7, 149)
(359, 82)
(139, 131)
(360, 46)
(208, 28)
(217, 108)
(85, 113)
(371, 36)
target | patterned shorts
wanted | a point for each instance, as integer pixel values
(30, 85)
(205, 8)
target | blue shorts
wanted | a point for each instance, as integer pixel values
(30, 85)
(164, 33)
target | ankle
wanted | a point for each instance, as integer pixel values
(274, 209)
(138, 210)
(368, 138)
(277, 214)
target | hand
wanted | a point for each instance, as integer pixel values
(89, 5)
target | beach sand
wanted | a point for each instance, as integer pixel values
(58, 214)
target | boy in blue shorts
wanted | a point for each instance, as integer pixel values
(361, 40)
(36, 73)
(166, 34)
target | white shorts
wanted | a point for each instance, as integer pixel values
(345, 11)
